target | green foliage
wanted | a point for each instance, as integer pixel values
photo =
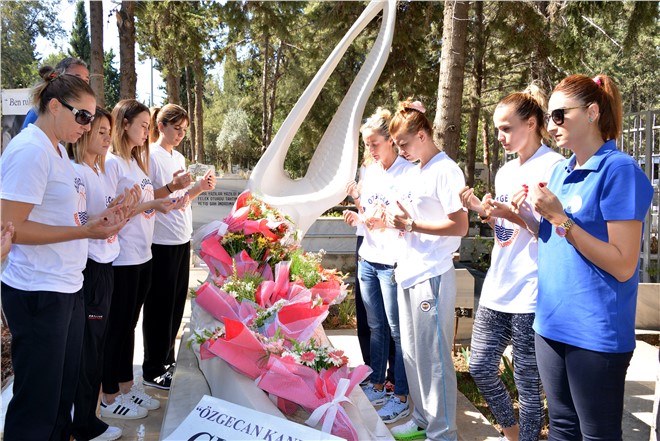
(22, 22)
(110, 79)
(306, 267)
(233, 146)
(243, 287)
(80, 41)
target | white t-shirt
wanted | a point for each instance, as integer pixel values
(378, 194)
(511, 282)
(33, 173)
(135, 238)
(429, 193)
(359, 228)
(175, 227)
(99, 195)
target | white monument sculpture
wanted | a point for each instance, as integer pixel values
(335, 159)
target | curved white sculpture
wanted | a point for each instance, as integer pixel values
(335, 160)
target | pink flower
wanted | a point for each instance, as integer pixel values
(309, 356)
(338, 358)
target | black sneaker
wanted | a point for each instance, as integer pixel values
(161, 382)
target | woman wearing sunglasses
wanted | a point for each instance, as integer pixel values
(589, 241)
(508, 298)
(44, 199)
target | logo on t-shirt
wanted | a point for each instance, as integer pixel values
(111, 239)
(80, 216)
(147, 189)
(425, 306)
(505, 236)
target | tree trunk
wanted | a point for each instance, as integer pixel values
(264, 92)
(475, 97)
(126, 27)
(199, 108)
(273, 94)
(447, 123)
(173, 87)
(96, 59)
(191, 113)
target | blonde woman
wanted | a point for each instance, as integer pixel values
(378, 254)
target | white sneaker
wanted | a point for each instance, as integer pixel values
(408, 431)
(110, 434)
(123, 408)
(143, 399)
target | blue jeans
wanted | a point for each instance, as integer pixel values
(379, 292)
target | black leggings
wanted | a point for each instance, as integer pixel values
(584, 390)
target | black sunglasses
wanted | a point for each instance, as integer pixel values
(557, 115)
(82, 117)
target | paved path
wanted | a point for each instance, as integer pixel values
(640, 387)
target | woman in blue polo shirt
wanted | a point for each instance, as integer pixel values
(589, 240)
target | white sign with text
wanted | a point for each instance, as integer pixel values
(214, 419)
(16, 101)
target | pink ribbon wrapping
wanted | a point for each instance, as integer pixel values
(300, 384)
(299, 320)
(240, 349)
(222, 305)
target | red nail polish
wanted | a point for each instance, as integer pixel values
(541, 184)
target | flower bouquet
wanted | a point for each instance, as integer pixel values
(317, 378)
(272, 298)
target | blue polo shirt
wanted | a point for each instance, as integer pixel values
(579, 303)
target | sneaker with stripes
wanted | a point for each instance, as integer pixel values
(123, 408)
(143, 399)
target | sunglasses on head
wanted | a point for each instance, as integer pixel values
(557, 115)
(82, 117)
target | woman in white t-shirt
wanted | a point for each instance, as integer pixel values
(431, 215)
(508, 297)
(378, 254)
(125, 167)
(89, 162)
(163, 307)
(44, 199)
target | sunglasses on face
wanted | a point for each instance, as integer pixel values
(557, 115)
(82, 117)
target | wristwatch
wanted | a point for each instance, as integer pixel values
(409, 225)
(562, 230)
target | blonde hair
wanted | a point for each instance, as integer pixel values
(126, 111)
(530, 103)
(79, 149)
